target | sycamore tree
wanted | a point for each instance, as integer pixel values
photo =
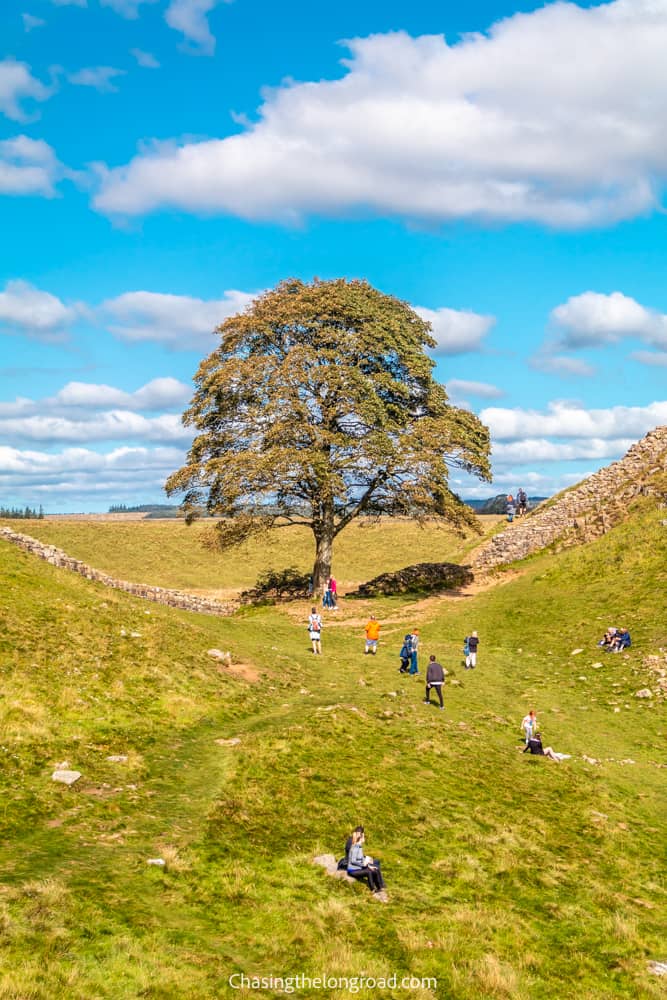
(318, 406)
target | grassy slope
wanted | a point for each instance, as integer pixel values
(508, 877)
(169, 554)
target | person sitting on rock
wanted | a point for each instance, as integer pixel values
(361, 866)
(534, 746)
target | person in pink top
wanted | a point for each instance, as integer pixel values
(333, 590)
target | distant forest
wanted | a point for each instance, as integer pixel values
(22, 513)
(152, 509)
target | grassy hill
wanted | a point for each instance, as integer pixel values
(171, 554)
(508, 877)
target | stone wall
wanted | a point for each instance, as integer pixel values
(159, 595)
(588, 510)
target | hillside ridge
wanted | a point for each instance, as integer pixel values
(586, 511)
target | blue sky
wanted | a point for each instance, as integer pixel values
(500, 166)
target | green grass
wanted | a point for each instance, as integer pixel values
(508, 877)
(169, 554)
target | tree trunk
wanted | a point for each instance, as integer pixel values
(322, 567)
(325, 532)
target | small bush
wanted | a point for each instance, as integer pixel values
(278, 584)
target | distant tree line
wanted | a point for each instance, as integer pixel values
(23, 513)
(142, 508)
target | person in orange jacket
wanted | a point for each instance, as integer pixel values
(372, 635)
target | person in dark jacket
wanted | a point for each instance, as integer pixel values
(534, 746)
(471, 642)
(435, 678)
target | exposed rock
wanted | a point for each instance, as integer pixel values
(159, 595)
(232, 742)
(66, 777)
(589, 510)
(658, 968)
(217, 654)
(575, 652)
(644, 693)
(589, 760)
(330, 865)
(157, 862)
(117, 758)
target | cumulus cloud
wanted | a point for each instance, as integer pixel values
(592, 319)
(190, 18)
(75, 476)
(456, 331)
(126, 8)
(484, 390)
(111, 425)
(534, 451)
(493, 127)
(30, 22)
(99, 77)
(145, 59)
(177, 321)
(28, 167)
(654, 358)
(160, 393)
(566, 419)
(561, 364)
(70, 3)
(29, 310)
(18, 85)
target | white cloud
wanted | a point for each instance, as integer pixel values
(111, 425)
(99, 77)
(76, 477)
(17, 85)
(160, 393)
(145, 59)
(484, 390)
(654, 358)
(561, 364)
(28, 167)
(30, 22)
(126, 8)
(29, 310)
(592, 319)
(190, 18)
(177, 321)
(456, 331)
(70, 3)
(565, 419)
(535, 451)
(496, 126)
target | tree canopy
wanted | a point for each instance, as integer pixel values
(319, 405)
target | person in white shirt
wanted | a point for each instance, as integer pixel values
(315, 630)
(529, 725)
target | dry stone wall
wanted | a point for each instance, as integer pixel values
(159, 595)
(587, 511)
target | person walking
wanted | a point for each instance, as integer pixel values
(414, 652)
(315, 630)
(404, 655)
(471, 642)
(529, 725)
(522, 501)
(372, 635)
(509, 507)
(435, 678)
(333, 591)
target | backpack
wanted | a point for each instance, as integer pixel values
(466, 647)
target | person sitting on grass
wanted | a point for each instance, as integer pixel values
(608, 638)
(363, 867)
(534, 746)
(620, 641)
(435, 678)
